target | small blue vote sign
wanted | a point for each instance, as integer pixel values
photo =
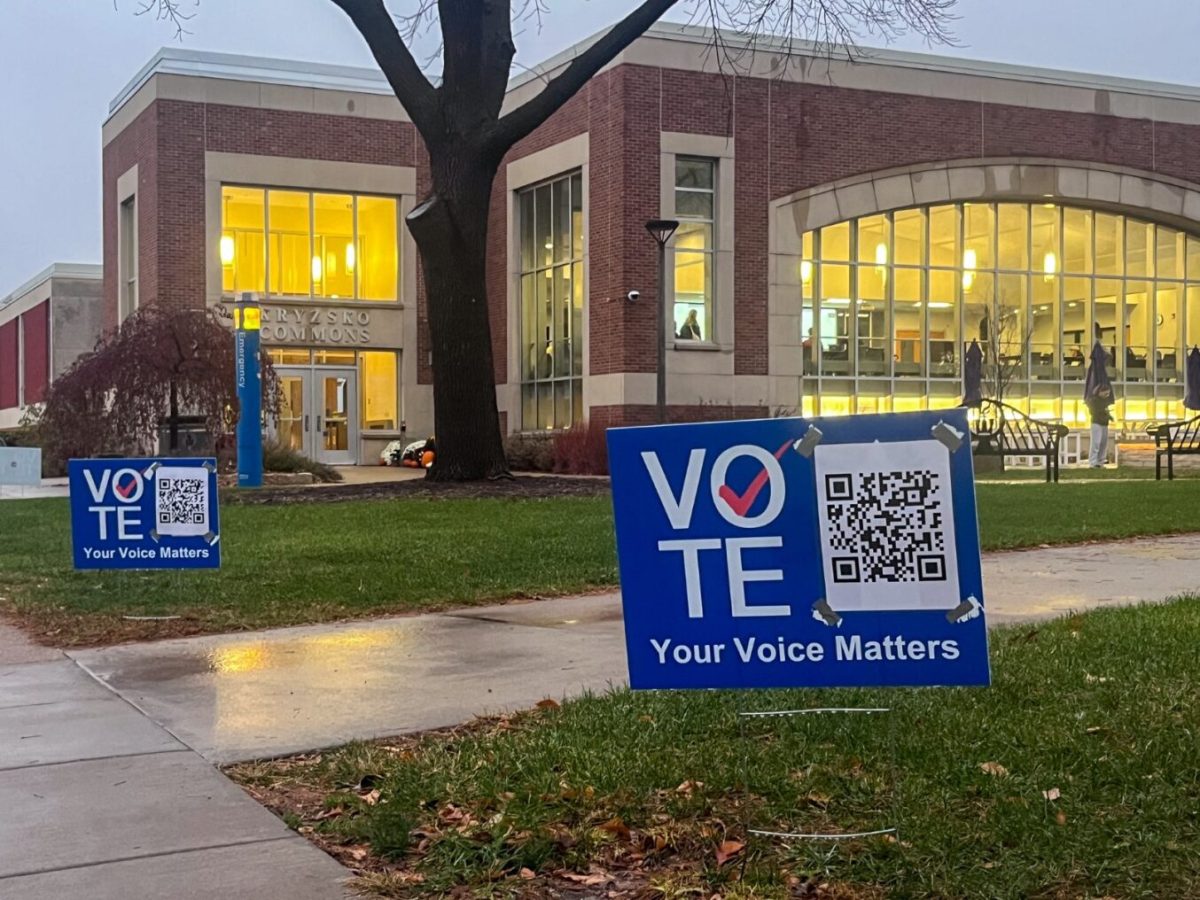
(800, 552)
(144, 513)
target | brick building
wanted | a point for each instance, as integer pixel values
(846, 229)
(45, 324)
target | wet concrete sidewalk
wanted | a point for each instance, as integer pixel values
(99, 801)
(236, 697)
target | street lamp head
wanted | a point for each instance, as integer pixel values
(661, 230)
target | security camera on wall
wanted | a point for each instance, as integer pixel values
(633, 296)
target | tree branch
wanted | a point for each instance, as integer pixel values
(408, 82)
(525, 118)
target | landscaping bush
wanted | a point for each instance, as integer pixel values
(581, 450)
(530, 452)
(161, 362)
(279, 458)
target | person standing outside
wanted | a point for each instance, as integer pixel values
(1098, 403)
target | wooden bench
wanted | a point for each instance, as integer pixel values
(1173, 439)
(998, 429)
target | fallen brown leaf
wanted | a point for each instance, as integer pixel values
(548, 703)
(617, 828)
(993, 768)
(1060, 817)
(727, 850)
(528, 874)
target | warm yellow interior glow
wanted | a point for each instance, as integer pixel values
(1049, 265)
(379, 391)
(319, 244)
(806, 270)
(969, 263)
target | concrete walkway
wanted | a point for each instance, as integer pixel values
(107, 789)
(234, 697)
(99, 801)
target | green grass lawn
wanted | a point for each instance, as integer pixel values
(1074, 776)
(311, 562)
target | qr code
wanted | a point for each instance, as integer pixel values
(887, 526)
(183, 501)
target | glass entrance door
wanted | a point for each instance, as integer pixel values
(337, 425)
(292, 429)
(318, 413)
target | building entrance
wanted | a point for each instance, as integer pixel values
(318, 412)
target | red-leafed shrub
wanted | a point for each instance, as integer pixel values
(581, 450)
(160, 363)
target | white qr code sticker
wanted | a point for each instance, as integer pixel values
(181, 501)
(887, 526)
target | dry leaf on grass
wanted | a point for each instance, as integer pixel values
(727, 850)
(548, 704)
(1052, 794)
(1060, 817)
(592, 879)
(527, 874)
(993, 768)
(616, 828)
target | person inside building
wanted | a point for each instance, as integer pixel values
(690, 330)
(1098, 403)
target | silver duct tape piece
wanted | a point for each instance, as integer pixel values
(826, 614)
(808, 443)
(149, 473)
(212, 538)
(154, 536)
(948, 435)
(965, 611)
(801, 836)
(865, 710)
(210, 468)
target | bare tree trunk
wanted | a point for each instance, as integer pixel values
(173, 420)
(450, 230)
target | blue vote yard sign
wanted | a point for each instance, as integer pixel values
(800, 552)
(144, 513)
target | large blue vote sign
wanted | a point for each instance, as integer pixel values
(800, 552)
(144, 513)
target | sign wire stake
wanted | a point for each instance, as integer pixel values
(743, 715)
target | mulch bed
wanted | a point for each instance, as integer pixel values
(521, 487)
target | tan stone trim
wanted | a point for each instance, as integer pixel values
(309, 174)
(638, 389)
(682, 359)
(925, 75)
(1169, 200)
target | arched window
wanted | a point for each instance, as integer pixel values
(891, 300)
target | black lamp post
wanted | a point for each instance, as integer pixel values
(661, 230)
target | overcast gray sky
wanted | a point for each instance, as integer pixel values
(64, 61)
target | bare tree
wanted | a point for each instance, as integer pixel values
(467, 133)
(1006, 338)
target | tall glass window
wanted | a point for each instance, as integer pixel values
(301, 244)
(695, 253)
(902, 295)
(550, 225)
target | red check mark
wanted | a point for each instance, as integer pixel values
(741, 503)
(128, 489)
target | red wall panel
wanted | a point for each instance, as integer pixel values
(36, 327)
(8, 364)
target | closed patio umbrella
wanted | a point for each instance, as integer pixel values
(1097, 373)
(973, 376)
(1191, 399)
